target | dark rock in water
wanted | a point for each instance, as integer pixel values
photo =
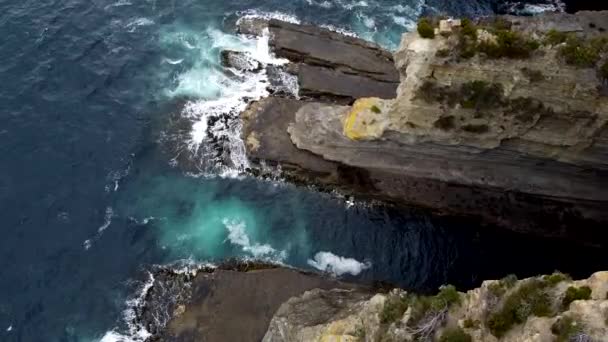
(252, 26)
(227, 305)
(239, 60)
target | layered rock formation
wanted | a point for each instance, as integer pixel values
(549, 308)
(520, 140)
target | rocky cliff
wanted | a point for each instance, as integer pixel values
(503, 119)
(548, 308)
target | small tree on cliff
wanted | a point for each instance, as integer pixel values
(426, 29)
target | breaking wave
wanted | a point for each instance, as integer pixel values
(337, 265)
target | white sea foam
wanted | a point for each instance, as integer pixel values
(136, 332)
(134, 24)
(173, 61)
(224, 96)
(118, 4)
(337, 265)
(533, 9)
(237, 235)
(253, 13)
(107, 220)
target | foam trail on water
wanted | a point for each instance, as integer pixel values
(337, 265)
(237, 235)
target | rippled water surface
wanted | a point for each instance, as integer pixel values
(102, 103)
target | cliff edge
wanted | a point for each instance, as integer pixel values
(503, 119)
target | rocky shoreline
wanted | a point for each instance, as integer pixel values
(414, 129)
(256, 301)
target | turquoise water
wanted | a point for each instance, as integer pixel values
(104, 105)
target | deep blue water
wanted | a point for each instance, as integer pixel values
(90, 196)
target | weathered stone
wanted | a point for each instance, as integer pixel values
(265, 134)
(319, 82)
(251, 26)
(239, 60)
(317, 46)
(238, 306)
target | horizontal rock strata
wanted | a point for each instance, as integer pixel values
(520, 143)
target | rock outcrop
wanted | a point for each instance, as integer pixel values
(234, 302)
(489, 121)
(547, 308)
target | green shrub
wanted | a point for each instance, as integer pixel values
(470, 324)
(445, 123)
(467, 28)
(509, 44)
(455, 335)
(509, 281)
(533, 75)
(554, 37)
(375, 109)
(580, 53)
(426, 29)
(530, 298)
(556, 278)
(442, 53)
(476, 129)
(566, 328)
(576, 293)
(394, 308)
(425, 305)
(481, 95)
(604, 71)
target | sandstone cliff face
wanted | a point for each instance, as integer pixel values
(518, 142)
(342, 315)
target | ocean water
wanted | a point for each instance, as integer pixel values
(119, 150)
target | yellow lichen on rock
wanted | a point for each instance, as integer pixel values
(367, 119)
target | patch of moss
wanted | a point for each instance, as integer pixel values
(394, 308)
(530, 298)
(375, 109)
(455, 335)
(509, 44)
(425, 28)
(566, 329)
(575, 293)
